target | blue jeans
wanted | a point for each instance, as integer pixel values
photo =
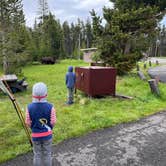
(70, 95)
(42, 153)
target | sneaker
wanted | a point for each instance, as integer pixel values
(69, 103)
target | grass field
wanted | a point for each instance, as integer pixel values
(86, 115)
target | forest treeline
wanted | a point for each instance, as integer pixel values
(131, 28)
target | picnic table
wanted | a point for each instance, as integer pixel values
(14, 84)
(9, 78)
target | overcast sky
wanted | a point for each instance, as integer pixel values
(69, 10)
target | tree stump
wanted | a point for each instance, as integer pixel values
(141, 75)
(154, 86)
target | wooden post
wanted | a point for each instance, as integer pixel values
(141, 75)
(137, 67)
(144, 65)
(154, 86)
(150, 63)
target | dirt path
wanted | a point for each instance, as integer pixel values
(142, 143)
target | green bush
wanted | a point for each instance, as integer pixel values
(16, 62)
(36, 63)
(96, 56)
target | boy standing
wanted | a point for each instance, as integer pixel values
(70, 84)
(41, 118)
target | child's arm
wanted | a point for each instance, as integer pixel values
(66, 80)
(27, 118)
(53, 116)
(74, 78)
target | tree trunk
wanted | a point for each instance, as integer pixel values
(127, 47)
(154, 86)
(5, 65)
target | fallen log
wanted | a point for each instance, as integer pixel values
(123, 96)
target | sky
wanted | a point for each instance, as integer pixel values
(63, 10)
(163, 22)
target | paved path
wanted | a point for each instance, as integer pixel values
(161, 60)
(142, 143)
(159, 71)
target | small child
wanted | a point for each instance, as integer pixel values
(41, 118)
(70, 84)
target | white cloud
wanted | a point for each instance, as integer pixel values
(90, 4)
(69, 10)
(59, 12)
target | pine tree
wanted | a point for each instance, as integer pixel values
(11, 19)
(88, 34)
(128, 29)
(53, 35)
(67, 39)
(97, 27)
(161, 37)
(43, 10)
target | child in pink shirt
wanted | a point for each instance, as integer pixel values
(41, 118)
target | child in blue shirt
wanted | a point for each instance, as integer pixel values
(70, 84)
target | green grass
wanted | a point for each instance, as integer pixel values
(86, 115)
